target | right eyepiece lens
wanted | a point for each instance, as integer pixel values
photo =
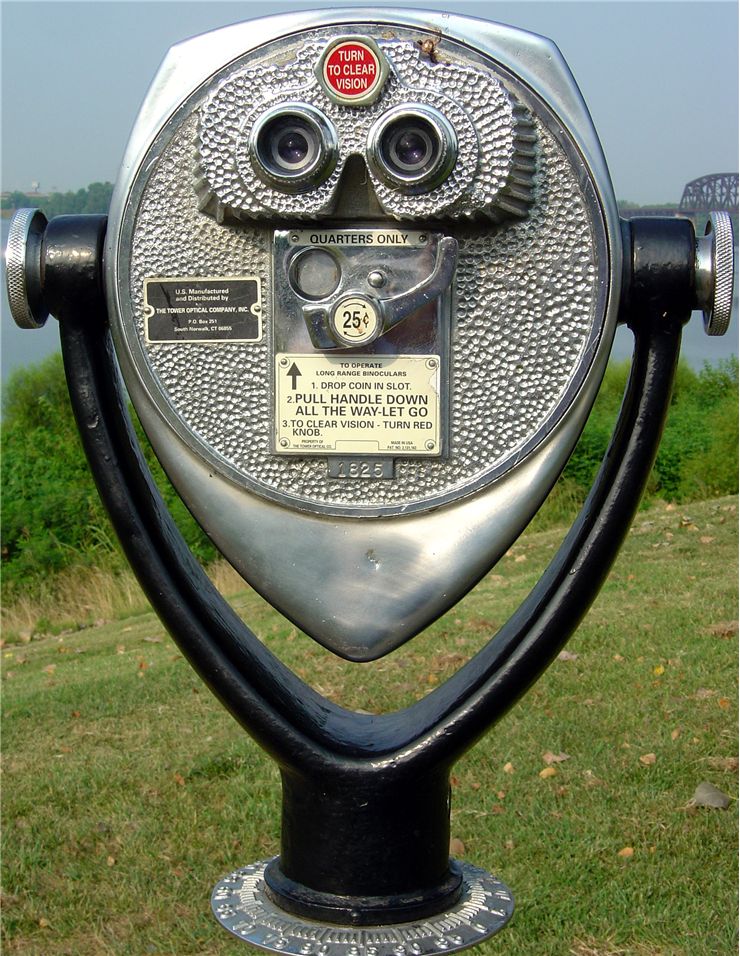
(409, 149)
(413, 148)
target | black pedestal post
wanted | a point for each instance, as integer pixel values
(365, 848)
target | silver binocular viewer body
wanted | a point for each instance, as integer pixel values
(363, 286)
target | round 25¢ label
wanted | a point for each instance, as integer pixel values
(355, 321)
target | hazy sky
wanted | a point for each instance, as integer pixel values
(660, 79)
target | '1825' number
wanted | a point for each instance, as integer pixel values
(376, 468)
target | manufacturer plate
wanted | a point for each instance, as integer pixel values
(240, 904)
(188, 309)
(357, 405)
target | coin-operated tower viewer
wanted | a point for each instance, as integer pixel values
(361, 277)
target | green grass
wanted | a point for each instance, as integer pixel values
(128, 790)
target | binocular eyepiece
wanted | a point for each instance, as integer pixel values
(294, 147)
(443, 140)
(412, 148)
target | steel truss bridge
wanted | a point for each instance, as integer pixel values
(713, 193)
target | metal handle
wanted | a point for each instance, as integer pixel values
(23, 268)
(715, 273)
(380, 315)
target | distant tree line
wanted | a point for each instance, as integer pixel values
(94, 198)
(53, 519)
(628, 204)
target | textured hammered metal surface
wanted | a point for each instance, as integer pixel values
(477, 105)
(529, 308)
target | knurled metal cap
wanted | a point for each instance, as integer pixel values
(715, 273)
(23, 268)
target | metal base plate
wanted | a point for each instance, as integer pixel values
(241, 906)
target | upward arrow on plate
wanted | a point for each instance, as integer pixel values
(294, 372)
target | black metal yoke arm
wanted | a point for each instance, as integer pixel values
(525, 646)
(303, 731)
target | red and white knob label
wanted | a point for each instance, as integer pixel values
(353, 71)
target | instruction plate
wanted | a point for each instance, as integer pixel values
(357, 404)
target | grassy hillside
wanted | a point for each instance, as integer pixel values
(129, 791)
(61, 566)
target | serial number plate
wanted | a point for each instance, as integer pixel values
(357, 405)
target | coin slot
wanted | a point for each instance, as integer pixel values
(314, 274)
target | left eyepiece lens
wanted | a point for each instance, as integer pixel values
(293, 147)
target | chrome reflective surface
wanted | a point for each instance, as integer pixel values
(24, 239)
(358, 281)
(363, 564)
(715, 273)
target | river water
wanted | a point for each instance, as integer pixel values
(20, 347)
